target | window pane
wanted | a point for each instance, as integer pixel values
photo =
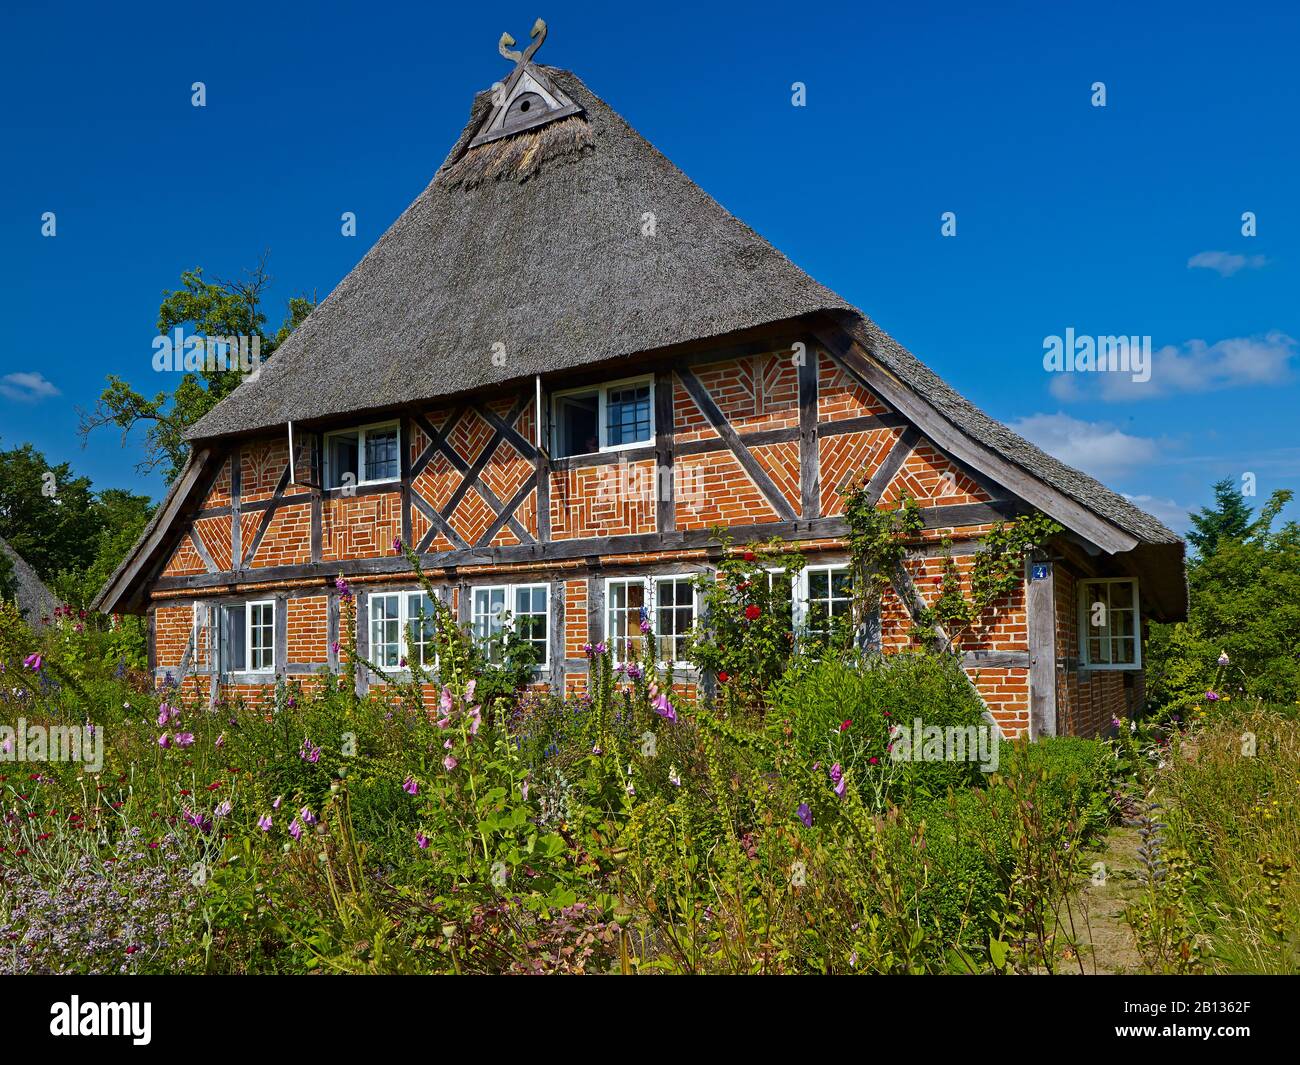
(261, 636)
(674, 618)
(385, 630)
(1124, 650)
(420, 628)
(381, 454)
(342, 458)
(626, 600)
(575, 424)
(1121, 595)
(233, 635)
(627, 415)
(530, 620)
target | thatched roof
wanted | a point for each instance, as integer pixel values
(35, 600)
(533, 242)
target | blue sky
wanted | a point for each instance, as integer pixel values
(1122, 220)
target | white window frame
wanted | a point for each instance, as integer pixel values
(800, 589)
(1085, 624)
(509, 599)
(651, 595)
(407, 614)
(655, 581)
(361, 431)
(602, 428)
(249, 608)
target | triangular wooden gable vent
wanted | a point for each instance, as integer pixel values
(526, 99)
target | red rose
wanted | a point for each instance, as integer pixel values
(724, 676)
(749, 556)
(844, 725)
(752, 612)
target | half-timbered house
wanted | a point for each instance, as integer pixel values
(555, 374)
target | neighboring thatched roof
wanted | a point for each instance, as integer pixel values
(35, 601)
(533, 242)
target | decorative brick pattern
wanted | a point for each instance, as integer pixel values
(723, 493)
(472, 517)
(844, 457)
(840, 396)
(923, 478)
(307, 620)
(185, 561)
(781, 463)
(616, 499)
(359, 527)
(215, 536)
(575, 618)
(287, 541)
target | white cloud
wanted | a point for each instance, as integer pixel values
(1239, 362)
(1173, 514)
(26, 387)
(1095, 447)
(1225, 263)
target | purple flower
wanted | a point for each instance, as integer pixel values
(221, 741)
(223, 810)
(469, 689)
(663, 707)
(475, 720)
(164, 740)
(804, 814)
(275, 803)
(444, 701)
(422, 841)
(1211, 697)
(342, 587)
(397, 545)
(1115, 722)
(523, 791)
(335, 647)
(308, 818)
(600, 648)
(167, 714)
(33, 662)
(264, 822)
(449, 763)
(1223, 658)
(839, 788)
(184, 739)
(836, 772)
(410, 786)
(295, 829)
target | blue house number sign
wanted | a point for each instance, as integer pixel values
(1038, 571)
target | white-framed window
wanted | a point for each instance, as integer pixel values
(610, 417)
(825, 594)
(1110, 635)
(366, 455)
(668, 603)
(674, 599)
(261, 636)
(524, 609)
(401, 629)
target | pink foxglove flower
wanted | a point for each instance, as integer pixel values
(264, 822)
(449, 763)
(410, 786)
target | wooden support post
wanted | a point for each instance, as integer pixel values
(1040, 606)
(665, 472)
(809, 455)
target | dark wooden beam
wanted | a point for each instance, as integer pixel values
(1040, 608)
(888, 469)
(202, 551)
(956, 516)
(665, 454)
(809, 456)
(506, 513)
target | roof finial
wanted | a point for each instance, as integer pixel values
(521, 58)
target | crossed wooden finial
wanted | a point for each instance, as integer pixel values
(538, 35)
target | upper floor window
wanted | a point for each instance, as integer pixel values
(605, 418)
(363, 456)
(1109, 636)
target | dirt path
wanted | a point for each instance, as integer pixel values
(1106, 941)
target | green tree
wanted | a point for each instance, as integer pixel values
(1245, 602)
(1228, 519)
(216, 308)
(123, 516)
(47, 515)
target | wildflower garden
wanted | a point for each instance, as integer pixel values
(762, 829)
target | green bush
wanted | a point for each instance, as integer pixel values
(842, 710)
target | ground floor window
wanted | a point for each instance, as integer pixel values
(518, 610)
(825, 597)
(246, 637)
(401, 629)
(1109, 635)
(665, 604)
